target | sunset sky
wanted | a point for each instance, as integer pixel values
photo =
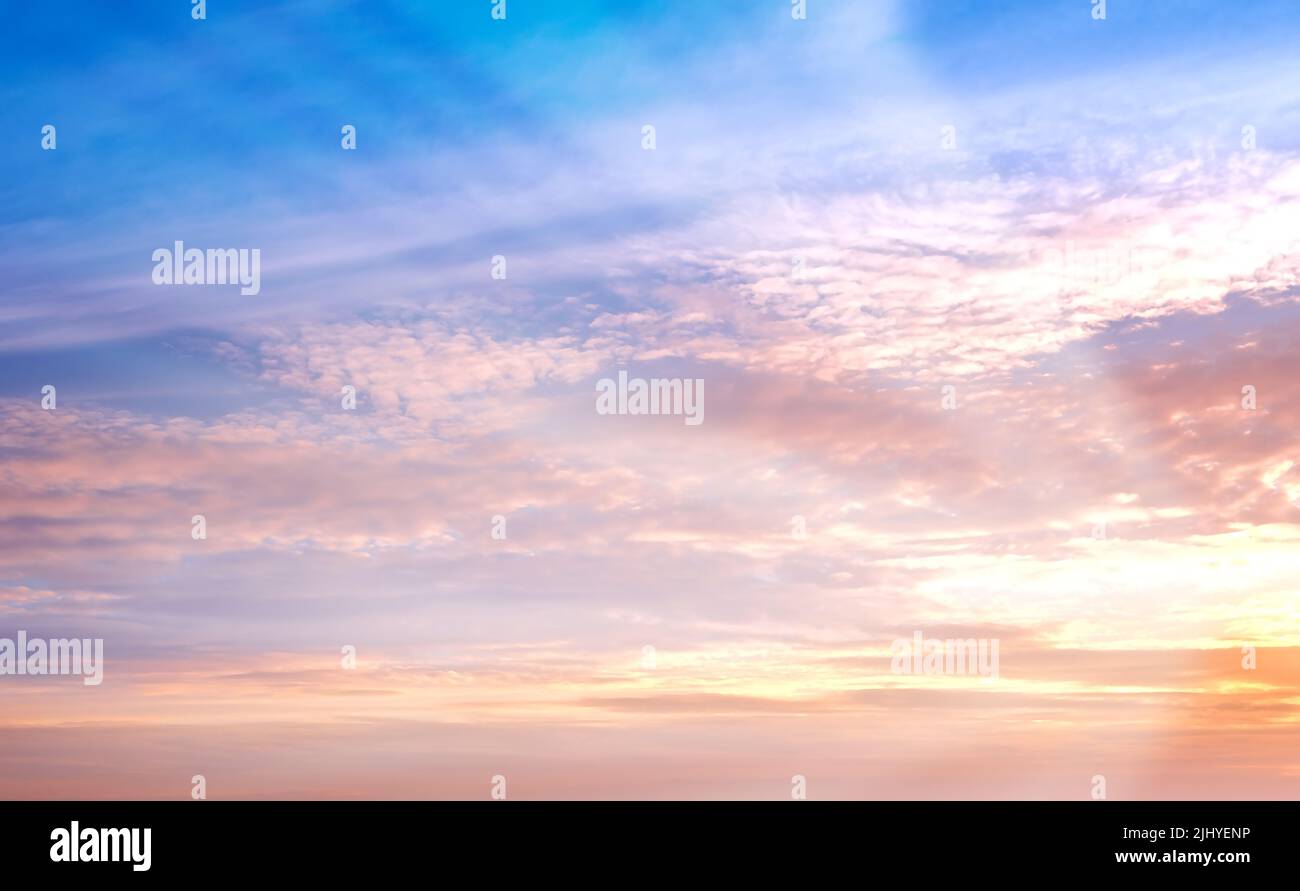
(981, 293)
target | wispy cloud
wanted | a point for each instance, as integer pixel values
(996, 317)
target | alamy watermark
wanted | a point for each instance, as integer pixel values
(1079, 268)
(922, 655)
(215, 266)
(90, 845)
(656, 396)
(54, 656)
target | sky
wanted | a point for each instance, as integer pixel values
(994, 306)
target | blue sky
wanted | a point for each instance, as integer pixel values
(166, 123)
(520, 137)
